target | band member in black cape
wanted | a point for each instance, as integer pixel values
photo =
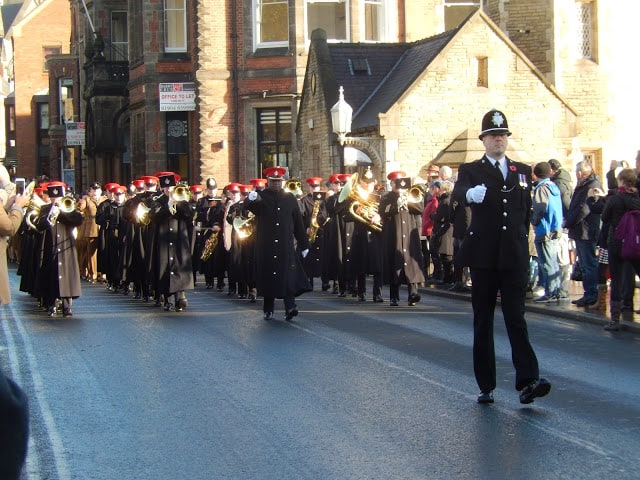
(59, 276)
(172, 225)
(278, 259)
(314, 215)
(401, 212)
(496, 248)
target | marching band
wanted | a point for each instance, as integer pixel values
(153, 237)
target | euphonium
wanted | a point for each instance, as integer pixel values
(209, 246)
(362, 208)
(142, 214)
(33, 210)
(244, 225)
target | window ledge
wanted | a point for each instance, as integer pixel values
(271, 52)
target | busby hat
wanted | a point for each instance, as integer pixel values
(402, 182)
(55, 189)
(275, 173)
(397, 174)
(494, 122)
(258, 182)
(167, 179)
(314, 181)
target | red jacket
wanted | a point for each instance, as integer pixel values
(427, 222)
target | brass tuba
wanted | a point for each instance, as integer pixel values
(362, 207)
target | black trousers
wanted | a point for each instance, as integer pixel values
(512, 285)
(269, 303)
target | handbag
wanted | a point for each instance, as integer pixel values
(576, 271)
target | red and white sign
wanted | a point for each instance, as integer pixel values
(177, 97)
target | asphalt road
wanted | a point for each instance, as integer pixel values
(125, 390)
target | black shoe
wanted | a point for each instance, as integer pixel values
(181, 304)
(362, 297)
(485, 397)
(536, 389)
(378, 299)
(168, 306)
(342, 294)
(252, 298)
(291, 313)
(575, 302)
(393, 302)
(583, 302)
(242, 295)
(67, 313)
(413, 299)
(268, 316)
(51, 311)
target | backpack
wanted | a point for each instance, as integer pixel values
(628, 231)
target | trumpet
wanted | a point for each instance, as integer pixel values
(362, 208)
(66, 205)
(293, 186)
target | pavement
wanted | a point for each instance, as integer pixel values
(629, 322)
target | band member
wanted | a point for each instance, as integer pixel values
(278, 226)
(172, 221)
(102, 220)
(401, 211)
(366, 248)
(88, 232)
(332, 253)
(197, 240)
(116, 227)
(209, 218)
(59, 276)
(233, 265)
(314, 215)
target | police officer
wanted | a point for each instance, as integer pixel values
(496, 249)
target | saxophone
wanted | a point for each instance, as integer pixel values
(313, 224)
(209, 246)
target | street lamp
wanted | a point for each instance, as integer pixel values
(341, 117)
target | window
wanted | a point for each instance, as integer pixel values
(374, 28)
(330, 15)
(49, 51)
(586, 26)
(274, 137)
(456, 11)
(66, 100)
(119, 37)
(272, 23)
(43, 116)
(12, 117)
(483, 72)
(175, 26)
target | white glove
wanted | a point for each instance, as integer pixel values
(476, 194)
(304, 253)
(252, 196)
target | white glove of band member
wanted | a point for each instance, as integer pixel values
(304, 253)
(476, 194)
(252, 196)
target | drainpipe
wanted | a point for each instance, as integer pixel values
(236, 97)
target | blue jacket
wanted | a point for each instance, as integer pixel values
(546, 215)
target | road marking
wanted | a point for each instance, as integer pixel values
(51, 429)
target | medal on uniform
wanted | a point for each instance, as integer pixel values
(522, 180)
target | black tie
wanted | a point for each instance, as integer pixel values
(497, 165)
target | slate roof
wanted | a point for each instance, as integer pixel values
(8, 14)
(386, 71)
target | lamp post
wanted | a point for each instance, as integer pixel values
(341, 120)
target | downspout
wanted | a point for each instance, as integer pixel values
(236, 98)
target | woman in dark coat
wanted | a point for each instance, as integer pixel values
(59, 275)
(401, 220)
(278, 227)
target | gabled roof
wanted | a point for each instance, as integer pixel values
(386, 72)
(8, 14)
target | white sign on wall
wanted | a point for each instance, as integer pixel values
(177, 97)
(75, 133)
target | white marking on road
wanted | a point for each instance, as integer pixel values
(55, 439)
